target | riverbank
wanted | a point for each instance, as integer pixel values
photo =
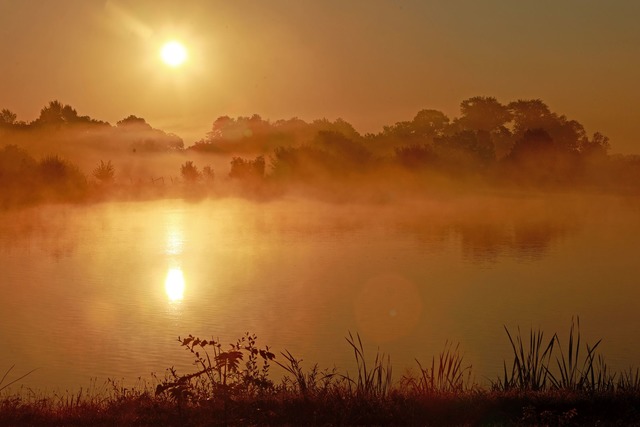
(545, 383)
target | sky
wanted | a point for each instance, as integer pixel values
(369, 62)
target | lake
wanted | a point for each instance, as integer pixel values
(104, 290)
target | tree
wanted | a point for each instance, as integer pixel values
(430, 124)
(220, 128)
(483, 113)
(57, 114)
(535, 114)
(208, 174)
(104, 172)
(7, 117)
(538, 159)
(425, 126)
(247, 169)
(528, 115)
(415, 156)
(134, 122)
(534, 145)
(466, 149)
(189, 172)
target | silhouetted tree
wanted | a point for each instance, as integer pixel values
(347, 152)
(15, 162)
(57, 114)
(7, 117)
(247, 169)
(189, 172)
(104, 172)
(416, 156)
(430, 124)
(528, 115)
(143, 137)
(134, 122)
(539, 159)
(483, 113)
(597, 146)
(466, 150)
(425, 126)
(534, 145)
(535, 114)
(61, 179)
(208, 174)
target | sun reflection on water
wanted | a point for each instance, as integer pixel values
(174, 282)
(174, 285)
(175, 241)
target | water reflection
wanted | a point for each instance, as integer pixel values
(174, 246)
(174, 285)
(175, 238)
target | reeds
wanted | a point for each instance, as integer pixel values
(4, 377)
(547, 384)
(373, 381)
(532, 369)
(308, 384)
(447, 376)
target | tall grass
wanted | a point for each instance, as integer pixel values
(530, 367)
(447, 376)
(7, 372)
(374, 380)
(549, 383)
(580, 368)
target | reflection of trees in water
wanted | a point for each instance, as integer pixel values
(46, 229)
(488, 228)
(487, 241)
(522, 240)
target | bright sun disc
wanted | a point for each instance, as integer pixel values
(173, 54)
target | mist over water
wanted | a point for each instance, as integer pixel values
(104, 290)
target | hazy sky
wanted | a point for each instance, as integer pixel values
(370, 62)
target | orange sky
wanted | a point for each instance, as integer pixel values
(370, 62)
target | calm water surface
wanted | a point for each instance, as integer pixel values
(103, 291)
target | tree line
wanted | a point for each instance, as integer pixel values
(132, 132)
(522, 142)
(519, 143)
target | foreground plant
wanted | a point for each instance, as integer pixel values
(447, 376)
(220, 373)
(372, 381)
(532, 369)
(4, 377)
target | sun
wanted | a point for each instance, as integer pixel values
(173, 53)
